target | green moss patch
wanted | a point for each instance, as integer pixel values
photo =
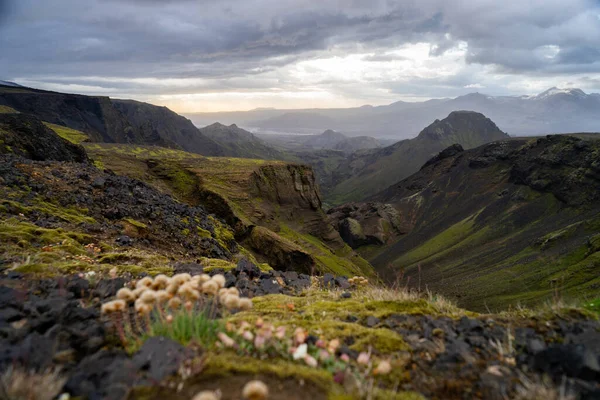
(69, 134)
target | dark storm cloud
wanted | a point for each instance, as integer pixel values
(221, 39)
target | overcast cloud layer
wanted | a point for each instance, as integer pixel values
(208, 55)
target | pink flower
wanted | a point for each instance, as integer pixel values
(259, 341)
(363, 358)
(339, 377)
(280, 332)
(345, 358)
(324, 355)
(247, 335)
(226, 340)
(299, 336)
(321, 344)
(333, 345)
(310, 361)
(383, 368)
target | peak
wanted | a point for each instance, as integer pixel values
(553, 91)
(461, 122)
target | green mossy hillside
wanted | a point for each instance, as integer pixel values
(69, 134)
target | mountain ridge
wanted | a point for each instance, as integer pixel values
(517, 115)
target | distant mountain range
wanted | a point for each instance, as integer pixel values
(553, 111)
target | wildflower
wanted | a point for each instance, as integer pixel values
(169, 318)
(160, 282)
(137, 292)
(219, 279)
(259, 341)
(259, 322)
(231, 302)
(207, 395)
(247, 335)
(363, 358)
(345, 358)
(162, 296)
(266, 332)
(185, 290)
(188, 305)
(311, 361)
(210, 288)
(180, 279)
(383, 368)
(299, 336)
(245, 304)
(321, 344)
(172, 288)
(221, 293)
(119, 305)
(143, 308)
(324, 355)
(174, 303)
(144, 282)
(255, 390)
(333, 345)
(108, 308)
(301, 352)
(279, 332)
(226, 340)
(126, 295)
(148, 297)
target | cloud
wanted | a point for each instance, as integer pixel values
(382, 48)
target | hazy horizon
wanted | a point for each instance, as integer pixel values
(228, 55)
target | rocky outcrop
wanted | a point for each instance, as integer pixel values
(282, 254)
(27, 136)
(287, 185)
(447, 152)
(362, 224)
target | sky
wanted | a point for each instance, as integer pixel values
(221, 55)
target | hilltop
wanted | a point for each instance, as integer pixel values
(238, 142)
(366, 172)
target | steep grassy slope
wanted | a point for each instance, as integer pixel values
(273, 207)
(508, 222)
(368, 172)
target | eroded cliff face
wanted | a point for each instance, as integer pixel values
(288, 184)
(273, 207)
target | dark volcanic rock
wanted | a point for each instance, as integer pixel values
(447, 152)
(362, 224)
(27, 136)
